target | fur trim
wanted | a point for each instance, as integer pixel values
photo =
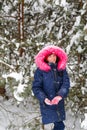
(40, 58)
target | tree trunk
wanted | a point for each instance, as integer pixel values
(21, 21)
(22, 33)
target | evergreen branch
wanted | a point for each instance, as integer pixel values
(8, 16)
(10, 66)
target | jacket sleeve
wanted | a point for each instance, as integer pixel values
(37, 86)
(64, 90)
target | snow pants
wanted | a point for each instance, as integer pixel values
(59, 126)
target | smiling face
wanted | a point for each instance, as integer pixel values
(52, 58)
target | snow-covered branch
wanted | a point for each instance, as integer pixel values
(10, 66)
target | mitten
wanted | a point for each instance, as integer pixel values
(56, 100)
(47, 101)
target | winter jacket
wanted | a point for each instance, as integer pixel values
(51, 80)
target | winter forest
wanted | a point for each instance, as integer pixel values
(26, 26)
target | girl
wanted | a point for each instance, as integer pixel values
(51, 85)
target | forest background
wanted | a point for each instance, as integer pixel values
(26, 26)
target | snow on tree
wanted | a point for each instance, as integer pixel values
(58, 22)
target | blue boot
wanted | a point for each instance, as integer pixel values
(59, 126)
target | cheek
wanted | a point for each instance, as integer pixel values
(55, 58)
(48, 59)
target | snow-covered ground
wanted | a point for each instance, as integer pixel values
(18, 117)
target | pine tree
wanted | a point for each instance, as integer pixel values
(26, 26)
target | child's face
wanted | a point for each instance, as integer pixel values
(52, 58)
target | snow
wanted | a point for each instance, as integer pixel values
(79, 49)
(15, 2)
(10, 66)
(78, 19)
(14, 117)
(59, 35)
(74, 40)
(85, 27)
(17, 112)
(49, 27)
(6, 9)
(85, 38)
(18, 91)
(62, 3)
(17, 76)
(84, 122)
(41, 2)
(6, 32)
(37, 8)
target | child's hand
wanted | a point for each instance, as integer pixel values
(56, 100)
(47, 101)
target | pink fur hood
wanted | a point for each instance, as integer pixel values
(41, 56)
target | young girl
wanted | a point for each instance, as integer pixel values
(51, 85)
